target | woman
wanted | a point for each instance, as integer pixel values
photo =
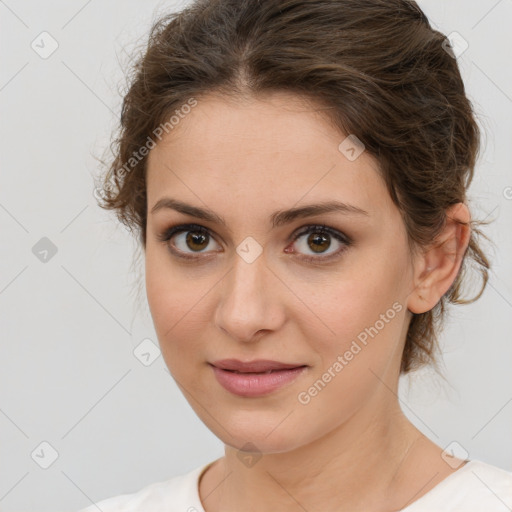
(296, 171)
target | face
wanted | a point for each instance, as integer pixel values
(326, 290)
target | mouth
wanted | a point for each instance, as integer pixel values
(261, 366)
(257, 383)
(261, 373)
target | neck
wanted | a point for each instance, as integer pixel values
(357, 466)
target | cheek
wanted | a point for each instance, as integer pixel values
(358, 314)
(364, 329)
(175, 300)
(367, 337)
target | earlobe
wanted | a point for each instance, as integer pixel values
(438, 266)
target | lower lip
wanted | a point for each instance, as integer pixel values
(255, 384)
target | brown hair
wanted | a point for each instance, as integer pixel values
(378, 69)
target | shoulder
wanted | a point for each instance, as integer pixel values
(176, 493)
(475, 487)
(498, 477)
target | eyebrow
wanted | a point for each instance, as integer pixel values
(278, 218)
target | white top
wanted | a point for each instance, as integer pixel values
(474, 487)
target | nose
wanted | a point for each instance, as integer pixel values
(250, 300)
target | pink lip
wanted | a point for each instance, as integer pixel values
(256, 384)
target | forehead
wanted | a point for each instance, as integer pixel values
(277, 150)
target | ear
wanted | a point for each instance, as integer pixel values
(437, 267)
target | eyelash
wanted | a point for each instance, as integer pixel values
(166, 235)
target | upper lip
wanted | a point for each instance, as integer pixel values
(259, 365)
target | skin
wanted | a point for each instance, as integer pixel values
(350, 448)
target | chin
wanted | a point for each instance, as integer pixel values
(248, 437)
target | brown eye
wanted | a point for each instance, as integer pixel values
(196, 241)
(318, 242)
(185, 240)
(191, 241)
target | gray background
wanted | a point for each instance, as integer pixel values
(69, 326)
